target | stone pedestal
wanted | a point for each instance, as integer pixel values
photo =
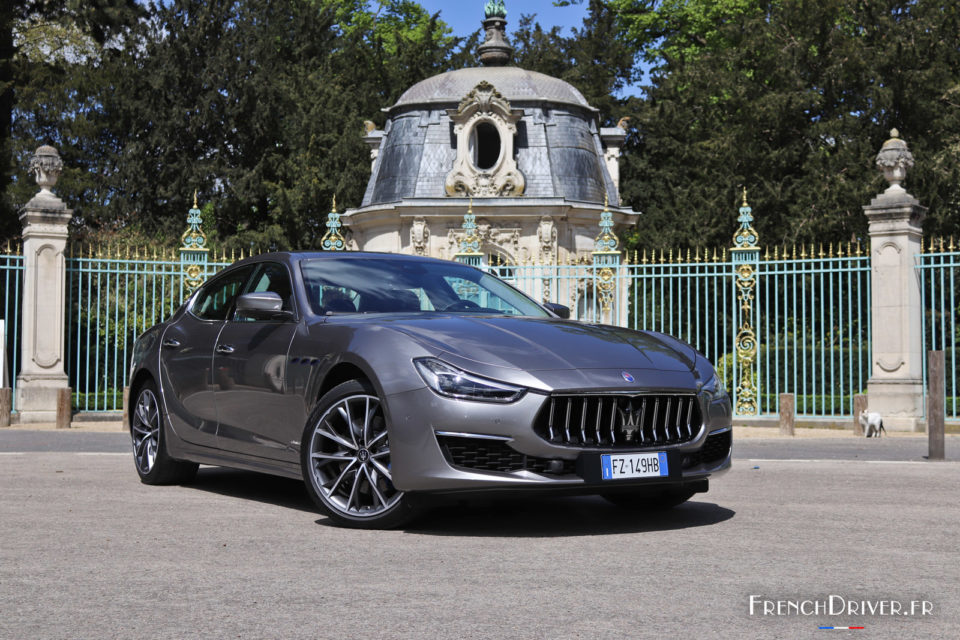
(45, 219)
(895, 388)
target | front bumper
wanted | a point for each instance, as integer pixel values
(423, 462)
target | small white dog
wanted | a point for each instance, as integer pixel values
(872, 424)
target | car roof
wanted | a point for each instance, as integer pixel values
(296, 256)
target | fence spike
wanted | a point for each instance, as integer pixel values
(803, 252)
(932, 247)
(951, 244)
(670, 255)
(715, 258)
(859, 251)
(724, 255)
(941, 244)
(822, 254)
(839, 249)
(766, 255)
(241, 253)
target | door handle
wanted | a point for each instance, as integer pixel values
(225, 348)
(170, 343)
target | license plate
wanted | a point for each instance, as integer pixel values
(633, 465)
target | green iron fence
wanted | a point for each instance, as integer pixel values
(113, 295)
(11, 294)
(809, 311)
(939, 272)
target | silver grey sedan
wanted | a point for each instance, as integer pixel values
(384, 380)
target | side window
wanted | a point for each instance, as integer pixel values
(216, 297)
(272, 276)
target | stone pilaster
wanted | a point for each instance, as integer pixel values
(45, 219)
(895, 387)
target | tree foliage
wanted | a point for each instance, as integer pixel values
(794, 101)
(259, 106)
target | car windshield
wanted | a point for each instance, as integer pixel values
(392, 285)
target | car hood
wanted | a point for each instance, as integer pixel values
(533, 344)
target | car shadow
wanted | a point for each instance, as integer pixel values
(504, 516)
(249, 485)
(560, 516)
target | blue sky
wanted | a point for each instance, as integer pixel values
(464, 17)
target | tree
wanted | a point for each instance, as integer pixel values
(794, 102)
(50, 27)
(257, 105)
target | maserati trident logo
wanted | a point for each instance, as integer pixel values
(626, 376)
(630, 421)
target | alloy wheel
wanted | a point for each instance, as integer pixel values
(145, 430)
(349, 458)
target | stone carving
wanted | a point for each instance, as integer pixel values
(547, 238)
(507, 238)
(46, 166)
(894, 160)
(420, 236)
(484, 104)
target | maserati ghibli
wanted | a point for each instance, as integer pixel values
(381, 380)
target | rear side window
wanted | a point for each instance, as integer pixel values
(217, 296)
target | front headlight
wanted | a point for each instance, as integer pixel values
(449, 381)
(714, 389)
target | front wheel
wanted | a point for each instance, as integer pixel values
(345, 456)
(153, 463)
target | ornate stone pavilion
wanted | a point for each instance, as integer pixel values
(523, 148)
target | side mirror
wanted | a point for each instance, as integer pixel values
(264, 305)
(558, 309)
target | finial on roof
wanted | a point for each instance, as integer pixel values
(495, 9)
(495, 50)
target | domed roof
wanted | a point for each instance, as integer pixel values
(514, 83)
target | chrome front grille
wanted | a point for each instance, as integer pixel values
(619, 420)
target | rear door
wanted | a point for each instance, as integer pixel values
(259, 414)
(186, 358)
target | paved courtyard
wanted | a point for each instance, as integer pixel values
(86, 551)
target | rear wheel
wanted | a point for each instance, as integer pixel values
(345, 456)
(651, 500)
(150, 456)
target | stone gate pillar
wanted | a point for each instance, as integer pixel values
(45, 219)
(895, 387)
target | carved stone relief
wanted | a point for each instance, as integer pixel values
(484, 105)
(547, 239)
(420, 236)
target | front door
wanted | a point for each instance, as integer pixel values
(186, 359)
(255, 406)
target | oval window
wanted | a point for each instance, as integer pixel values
(486, 147)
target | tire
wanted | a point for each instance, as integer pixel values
(345, 458)
(154, 465)
(651, 500)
